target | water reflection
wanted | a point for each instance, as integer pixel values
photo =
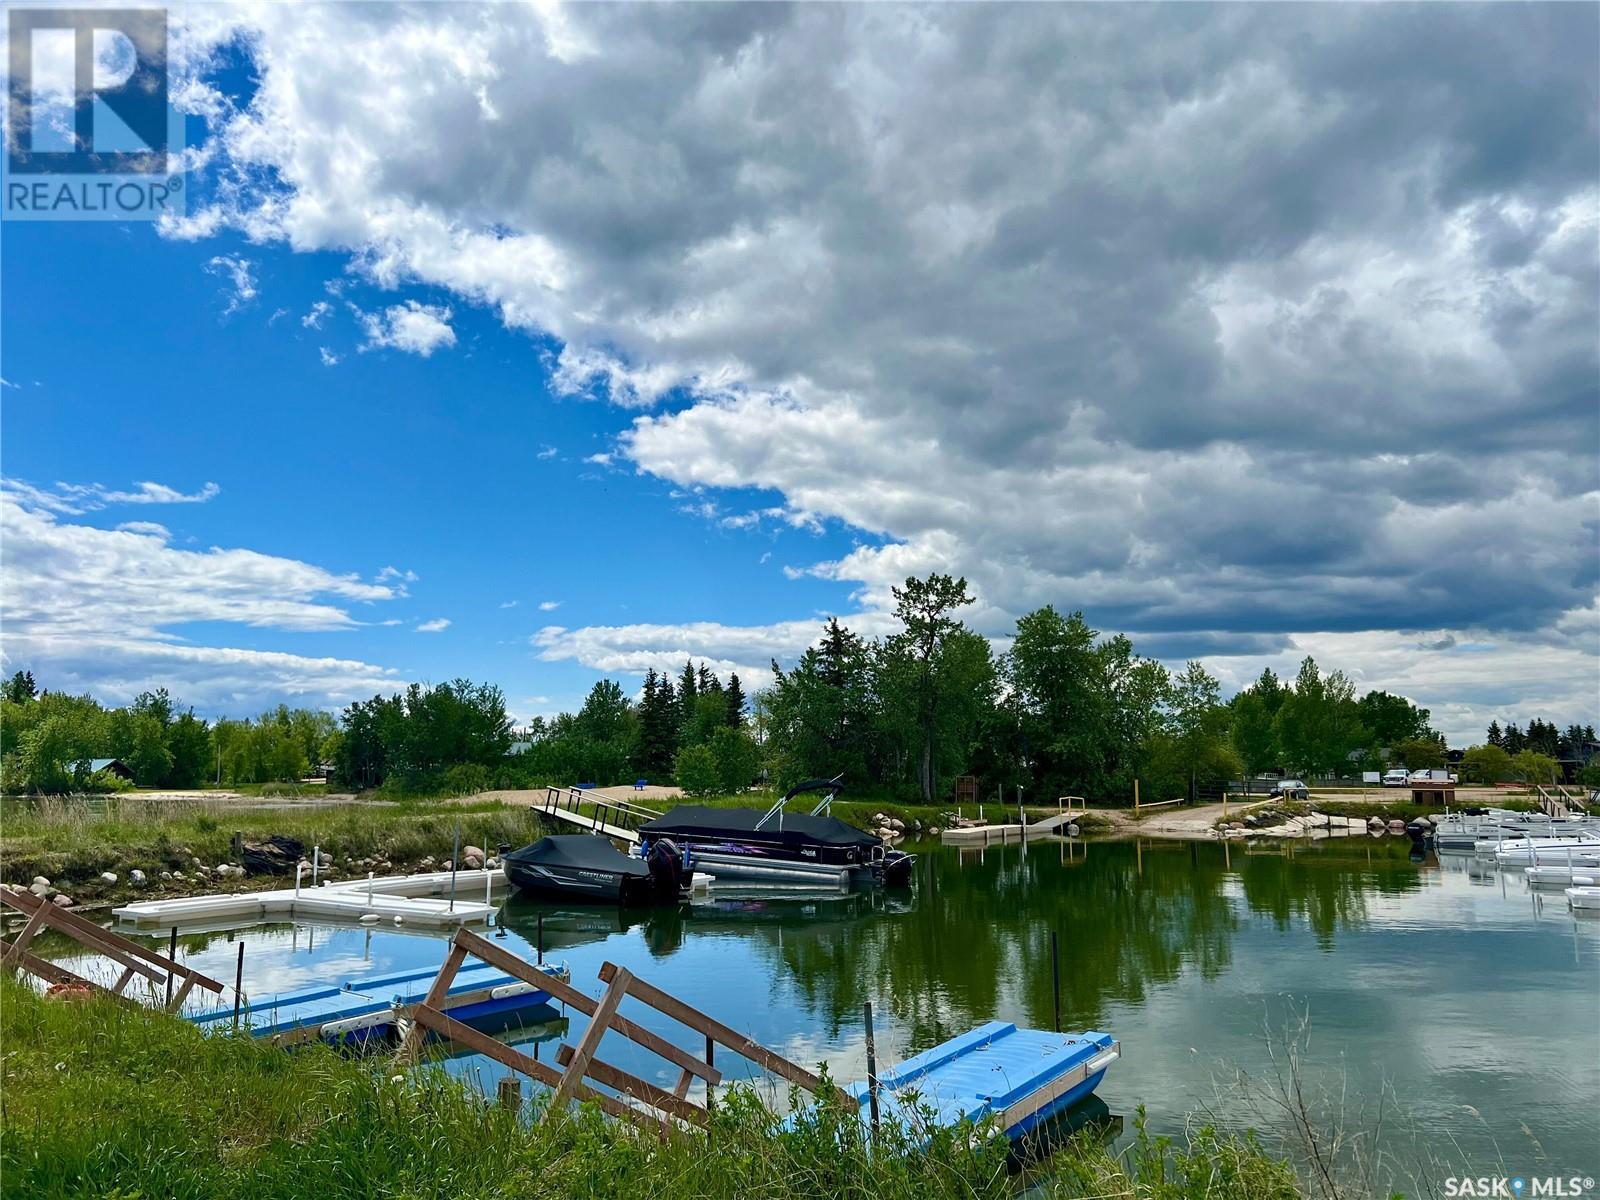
(1447, 983)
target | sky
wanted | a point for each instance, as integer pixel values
(538, 344)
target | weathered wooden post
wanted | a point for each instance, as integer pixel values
(872, 1069)
(238, 985)
(1136, 797)
(540, 945)
(236, 847)
(509, 1091)
(1055, 977)
(455, 862)
(172, 953)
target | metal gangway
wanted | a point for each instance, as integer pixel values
(614, 818)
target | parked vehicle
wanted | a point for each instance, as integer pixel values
(1399, 777)
(1291, 789)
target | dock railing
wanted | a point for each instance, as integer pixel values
(605, 814)
(136, 961)
(637, 1101)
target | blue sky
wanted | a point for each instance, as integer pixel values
(132, 360)
(1253, 334)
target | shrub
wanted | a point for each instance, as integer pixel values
(697, 771)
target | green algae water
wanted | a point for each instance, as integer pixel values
(1437, 1008)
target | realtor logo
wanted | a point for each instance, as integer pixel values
(89, 131)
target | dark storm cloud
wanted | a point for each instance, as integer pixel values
(1214, 321)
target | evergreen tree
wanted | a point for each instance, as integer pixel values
(658, 728)
(688, 696)
(1513, 743)
(20, 688)
(735, 701)
(1496, 738)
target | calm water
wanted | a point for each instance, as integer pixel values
(1469, 1003)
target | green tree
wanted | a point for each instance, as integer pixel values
(924, 608)
(1416, 754)
(1254, 724)
(1317, 724)
(1486, 764)
(20, 688)
(189, 744)
(1535, 769)
(1199, 727)
(736, 757)
(696, 771)
(819, 717)
(735, 701)
(929, 713)
(1393, 719)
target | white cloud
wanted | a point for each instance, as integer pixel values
(329, 358)
(74, 499)
(1111, 330)
(240, 274)
(510, 603)
(146, 529)
(549, 605)
(546, 452)
(437, 625)
(319, 313)
(105, 609)
(388, 573)
(412, 327)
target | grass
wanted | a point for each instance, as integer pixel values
(108, 1101)
(71, 840)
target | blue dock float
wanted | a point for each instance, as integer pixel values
(359, 1010)
(1020, 1078)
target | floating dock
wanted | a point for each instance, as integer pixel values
(360, 1010)
(1018, 1077)
(394, 899)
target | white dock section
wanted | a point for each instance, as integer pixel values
(986, 835)
(605, 814)
(424, 900)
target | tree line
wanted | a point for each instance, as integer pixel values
(49, 741)
(1065, 710)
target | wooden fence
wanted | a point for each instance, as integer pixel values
(652, 1108)
(136, 960)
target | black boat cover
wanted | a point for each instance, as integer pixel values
(788, 828)
(583, 850)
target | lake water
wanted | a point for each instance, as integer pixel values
(1457, 1014)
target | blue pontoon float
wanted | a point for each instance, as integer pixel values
(1018, 1077)
(359, 1010)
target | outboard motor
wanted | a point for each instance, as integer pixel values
(666, 869)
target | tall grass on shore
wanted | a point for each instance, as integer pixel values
(103, 1100)
(78, 837)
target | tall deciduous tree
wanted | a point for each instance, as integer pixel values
(935, 663)
(1317, 724)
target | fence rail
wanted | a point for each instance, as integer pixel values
(135, 960)
(637, 1101)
